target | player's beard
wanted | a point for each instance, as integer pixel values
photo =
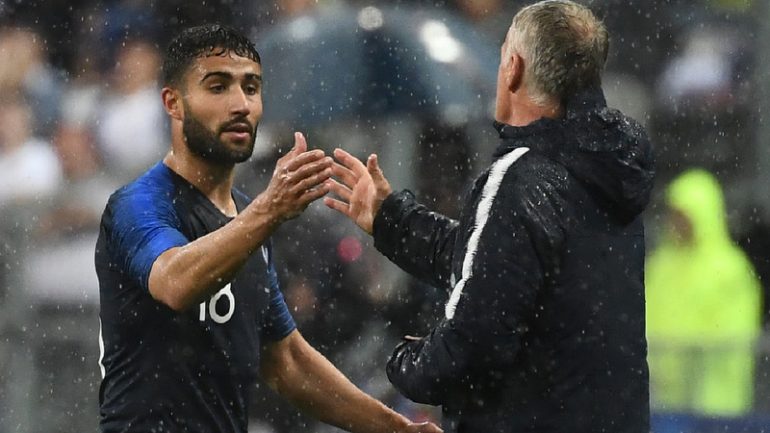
(205, 143)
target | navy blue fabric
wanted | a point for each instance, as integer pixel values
(168, 371)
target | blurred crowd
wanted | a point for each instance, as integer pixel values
(80, 115)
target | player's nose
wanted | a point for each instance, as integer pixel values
(240, 103)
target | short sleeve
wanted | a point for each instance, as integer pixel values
(141, 225)
(278, 322)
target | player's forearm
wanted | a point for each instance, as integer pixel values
(182, 276)
(308, 380)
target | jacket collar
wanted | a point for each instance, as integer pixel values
(590, 99)
(530, 135)
(507, 131)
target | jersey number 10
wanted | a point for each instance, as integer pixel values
(213, 301)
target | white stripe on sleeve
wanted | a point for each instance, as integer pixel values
(496, 174)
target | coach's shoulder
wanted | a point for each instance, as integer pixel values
(535, 171)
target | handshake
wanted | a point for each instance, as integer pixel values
(303, 176)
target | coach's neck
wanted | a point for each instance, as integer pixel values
(514, 103)
(523, 110)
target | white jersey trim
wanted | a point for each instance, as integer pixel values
(101, 350)
(496, 175)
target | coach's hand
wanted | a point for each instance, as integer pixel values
(299, 178)
(361, 188)
(423, 427)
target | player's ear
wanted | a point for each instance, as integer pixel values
(172, 103)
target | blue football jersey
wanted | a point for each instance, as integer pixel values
(167, 371)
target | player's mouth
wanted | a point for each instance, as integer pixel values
(238, 131)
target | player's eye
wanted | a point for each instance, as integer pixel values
(217, 88)
(251, 90)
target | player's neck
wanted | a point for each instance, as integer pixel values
(215, 181)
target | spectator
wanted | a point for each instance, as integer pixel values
(131, 132)
(703, 306)
(29, 169)
(703, 72)
(29, 76)
(68, 227)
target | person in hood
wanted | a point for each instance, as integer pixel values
(703, 306)
(544, 323)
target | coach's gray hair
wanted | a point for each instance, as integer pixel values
(564, 47)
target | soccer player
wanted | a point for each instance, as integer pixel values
(191, 311)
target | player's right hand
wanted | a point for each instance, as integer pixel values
(299, 178)
(361, 189)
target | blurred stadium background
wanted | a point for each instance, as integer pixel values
(412, 80)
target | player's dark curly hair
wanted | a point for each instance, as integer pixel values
(203, 41)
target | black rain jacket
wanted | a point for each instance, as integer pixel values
(544, 328)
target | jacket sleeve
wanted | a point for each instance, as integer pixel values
(419, 241)
(480, 337)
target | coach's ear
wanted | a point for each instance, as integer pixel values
(172, 103)
(515, 74)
